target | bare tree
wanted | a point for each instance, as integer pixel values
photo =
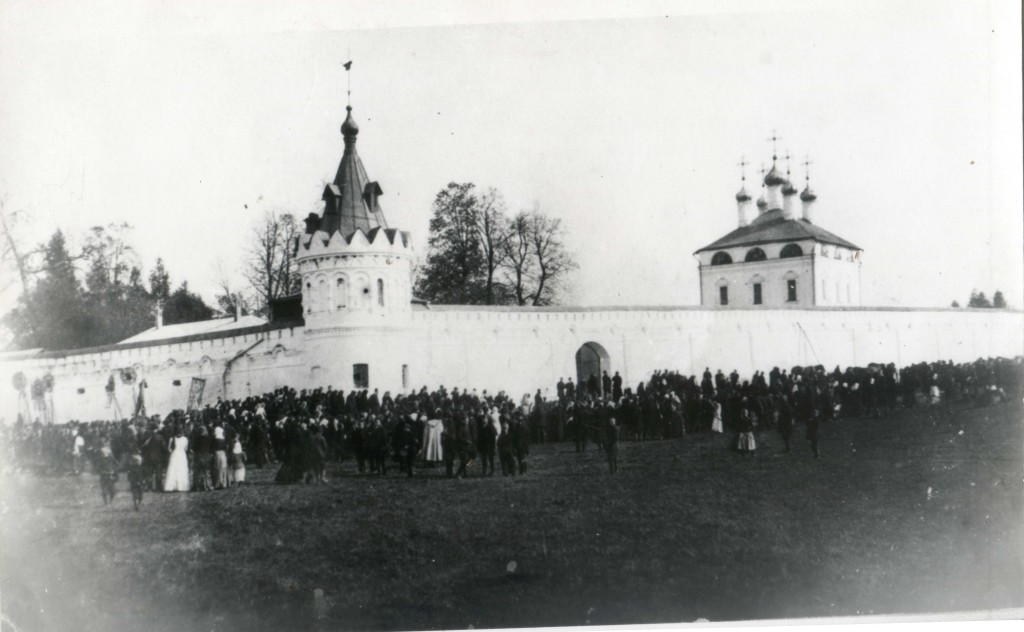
(111, 257)
(518, 262)
(552, 259)
(13, 253)
(270, 259)
(229, 300)
(492, 226)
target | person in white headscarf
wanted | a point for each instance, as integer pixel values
(433, 451)
(220, 459)
(238, 462)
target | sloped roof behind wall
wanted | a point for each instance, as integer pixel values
(772, 227)
(216, 325)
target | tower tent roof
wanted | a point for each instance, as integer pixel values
(352, 198)
(773, 227)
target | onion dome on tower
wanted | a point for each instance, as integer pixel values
(773, 178)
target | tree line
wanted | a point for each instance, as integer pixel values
(97, 293)
(979, 300)
(480, 255)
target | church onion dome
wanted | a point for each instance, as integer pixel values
(808, 195)
(788, 188)
(772, 178)
(743, 196)
(761, 203)
(349, 127)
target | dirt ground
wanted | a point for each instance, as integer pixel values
(917, 512)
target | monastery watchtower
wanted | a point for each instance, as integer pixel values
(356, 271)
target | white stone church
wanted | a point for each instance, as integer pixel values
(779, 290)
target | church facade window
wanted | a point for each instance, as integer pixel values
(380, 292)
(757, 294)
(755, 254)
(791, 250)
(723, 295)
(721, 259)
(791, 290)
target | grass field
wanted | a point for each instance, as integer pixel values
(687, 529)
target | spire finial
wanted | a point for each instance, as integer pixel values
(349, 129)
(348, 75)
(786, 157)
(807, 168)
(775, 138)
(743, 171)
(762, 175)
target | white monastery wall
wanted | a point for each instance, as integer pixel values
(523, 351)
(516, 350)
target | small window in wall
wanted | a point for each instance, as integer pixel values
(342, 294)
(405, 376)
(81, 391)
(361, 375)
(723, 295)
(757, 294)
(380, 292)
(309, 295)
(791, 290)
(176, 382)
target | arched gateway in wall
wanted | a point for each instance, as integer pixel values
(591, 359)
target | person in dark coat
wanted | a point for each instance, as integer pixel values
(581, 421)
(807, 410)
(606, 384)
(293, 469)
(406, 444)
(465, 449)
(137, 477)
(376, 446)
(202, 458)
(506, 451)
(785, 420)
(611, 444)
(487, 442)
(154, 459)
(617, 387)
(521, 443)
(317, 457)
(813, 424)
(448, 448)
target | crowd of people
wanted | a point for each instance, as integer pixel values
(302, 432)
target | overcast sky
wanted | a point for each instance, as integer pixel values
(625, 120)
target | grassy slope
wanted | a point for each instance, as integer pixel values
(686, 530)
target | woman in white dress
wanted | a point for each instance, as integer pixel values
(716, 424)
(177, 479)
